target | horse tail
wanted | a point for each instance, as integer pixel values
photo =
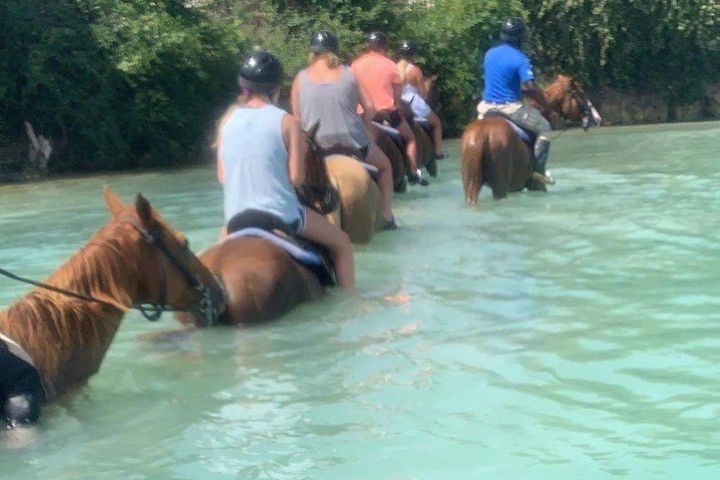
(475, 154)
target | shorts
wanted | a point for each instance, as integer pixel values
(253, 218)
(418, 105)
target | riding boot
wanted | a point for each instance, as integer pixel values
(541, 153)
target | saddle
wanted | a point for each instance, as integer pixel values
(356, 153)
(527, 136)
(314, 257)
(393, 133)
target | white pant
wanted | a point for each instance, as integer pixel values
(520, 113)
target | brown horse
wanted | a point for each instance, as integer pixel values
(262, 281)
(136, 258)
(360, 210)
(493, 154)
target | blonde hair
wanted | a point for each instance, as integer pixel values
(332, 59)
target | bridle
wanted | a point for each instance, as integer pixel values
(211, 305)
(588, 113)
(209, 308)
(329, 198)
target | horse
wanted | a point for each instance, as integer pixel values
(393, 146)
(359, 212)
(262, 281)
(63, 329)
(492, 152)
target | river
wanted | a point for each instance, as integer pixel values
(546, 336)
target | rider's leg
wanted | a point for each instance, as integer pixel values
(319, 230)
(410, 144)
(437, 131)
(532, 119)
(379, 160)
(414, 175)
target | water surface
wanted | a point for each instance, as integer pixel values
(546, 336)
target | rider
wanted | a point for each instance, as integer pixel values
(261, 152)
(507, 69)
(327, 94)
(415, 93)
(378, 76)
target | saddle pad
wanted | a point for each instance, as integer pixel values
(521, 132)
(302, 256)
(393, 132)
(371, 169)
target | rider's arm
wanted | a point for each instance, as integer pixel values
(296, 148)
(295, 96)
(416, 78)
(218, 143)
(529, 87)
(531, 90)
(367, 105)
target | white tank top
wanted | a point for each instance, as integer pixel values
(254, 160)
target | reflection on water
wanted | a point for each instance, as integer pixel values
(544, 336)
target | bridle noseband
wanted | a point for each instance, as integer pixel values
(211, 305)
(209, 308)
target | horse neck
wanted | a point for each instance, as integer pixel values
(67, 338)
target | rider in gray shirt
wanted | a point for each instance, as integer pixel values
(327, 92)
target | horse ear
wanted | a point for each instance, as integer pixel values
(112, 201)
(144, 211)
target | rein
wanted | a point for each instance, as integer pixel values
(209, 308)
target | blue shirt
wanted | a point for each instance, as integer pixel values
(255, 163)
(506, 69)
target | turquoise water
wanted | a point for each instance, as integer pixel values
(546, 336)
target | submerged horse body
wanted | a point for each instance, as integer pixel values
(494, 154)
(61, 340)
(262, 280)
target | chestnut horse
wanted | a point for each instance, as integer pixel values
(262, 281)
(360, 210)
(65, 327)
(493, 154)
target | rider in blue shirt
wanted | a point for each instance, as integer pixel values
(509, 75)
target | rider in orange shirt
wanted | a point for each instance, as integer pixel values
(378, 76)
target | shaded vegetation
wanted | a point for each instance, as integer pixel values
(127, 83)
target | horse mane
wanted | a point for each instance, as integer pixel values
(46, 323)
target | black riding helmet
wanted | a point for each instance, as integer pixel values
(324, 41)
(376, 41)
(513, 30)
(407, 48)
(260, 71)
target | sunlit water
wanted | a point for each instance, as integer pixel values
(574, 334)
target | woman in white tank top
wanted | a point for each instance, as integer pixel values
(261, 151)
(415, 93)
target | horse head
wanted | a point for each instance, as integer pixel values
(566, 97)
(317, 191)
(170, 274)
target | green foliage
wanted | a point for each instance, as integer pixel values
(123, 83)
(114, 83)
(664, 46)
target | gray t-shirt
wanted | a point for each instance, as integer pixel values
(334, 105)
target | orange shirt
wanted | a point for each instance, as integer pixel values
(377, 75)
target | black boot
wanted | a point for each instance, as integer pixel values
(540, 157)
